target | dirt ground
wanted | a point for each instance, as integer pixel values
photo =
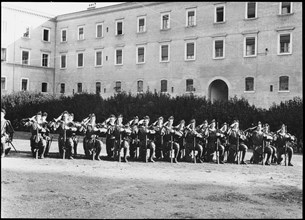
(80, 188)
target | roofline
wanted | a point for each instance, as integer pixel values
(104, 10)
(28, 12)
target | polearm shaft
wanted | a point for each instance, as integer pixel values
(119, 147)
(194, 147)
(217, 148)
(171, 149)
(237, 148)
(263, 152)
(10, 142)
(145, 148)
(286, 147)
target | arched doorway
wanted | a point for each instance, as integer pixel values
(218, 90)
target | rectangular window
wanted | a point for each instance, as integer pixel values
(140, 54)
(26, 33)
(118, 86)
(81, 35)
(249, 84)
(189, 85)
(141, 24)
(46, 34)
(63, 61)
(3, 83)
(286, 8)
(98, 88)
(190, 18)
(140, 86)
(251, 10)
(250, 46)
(163, 85)
(220, 14)
(44, 87)
(164, 53)
(99, 30)
(119, 57)
(62, 88)
(98, 58)
(24, 84)
(3, 54)
(45, 60)
(64, 35)
(165, 23)
(284, 83)
(25, 57)
(285, 43)
(271, 88)
(190, 51)
(119, 27)
(80, 60)
(218, 48)
(79, 87)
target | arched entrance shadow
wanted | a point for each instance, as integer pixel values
(218, 91)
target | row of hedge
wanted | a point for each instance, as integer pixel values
(25, 104)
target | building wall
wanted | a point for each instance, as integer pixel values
(265, 67)
(12, 39)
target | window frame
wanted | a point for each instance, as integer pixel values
(28, 84)
(60, 91)
(48, 60)
(78, 36)
(193, 89)
(137, 54)
(249, 91)
(115, 57)
(96, 83)
(279, 88)
(5, 58)
(245, 45)
(280, 9)
(138, 23)
(60, 63)
(279, 43)
(116, 27)
(195, 17)
(223, 46)
(79, 83)
(224, 13)
(5, 84)
(168, 58)
(77, 60)
(46, 87)
(185, 52)
(96, 30)
(49, 34)
(61, 35)
(95, 60)
(169, 23)
(29, 57)
(246, 12)
(164, 80)
(116, 88)
(138, 86)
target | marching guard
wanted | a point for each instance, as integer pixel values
(169, 139)
(122, 134)
(146, 140)
(282, 140)
(134, 143)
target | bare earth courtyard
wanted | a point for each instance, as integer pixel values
(80, 188)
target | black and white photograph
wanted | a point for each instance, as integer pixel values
(152, 110)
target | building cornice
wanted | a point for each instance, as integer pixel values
(105, 10)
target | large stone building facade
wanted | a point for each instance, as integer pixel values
(212, 49)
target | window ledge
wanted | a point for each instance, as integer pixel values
(220, 22)
(118, 64)
(287, 14)
(250, 19)
(140, 63)
(165, 61)
(191, 26)
(99, 66)
(63, 68)
(48, 42)
(166, 29)
(99, 37)
(80, 67)
(189, 60)
(80, 40)
(252, 91)
(142, 32)
(63, 42)
(284, 54)
(119, 35)
(218, 58)
(250, 56)
(283, 91)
